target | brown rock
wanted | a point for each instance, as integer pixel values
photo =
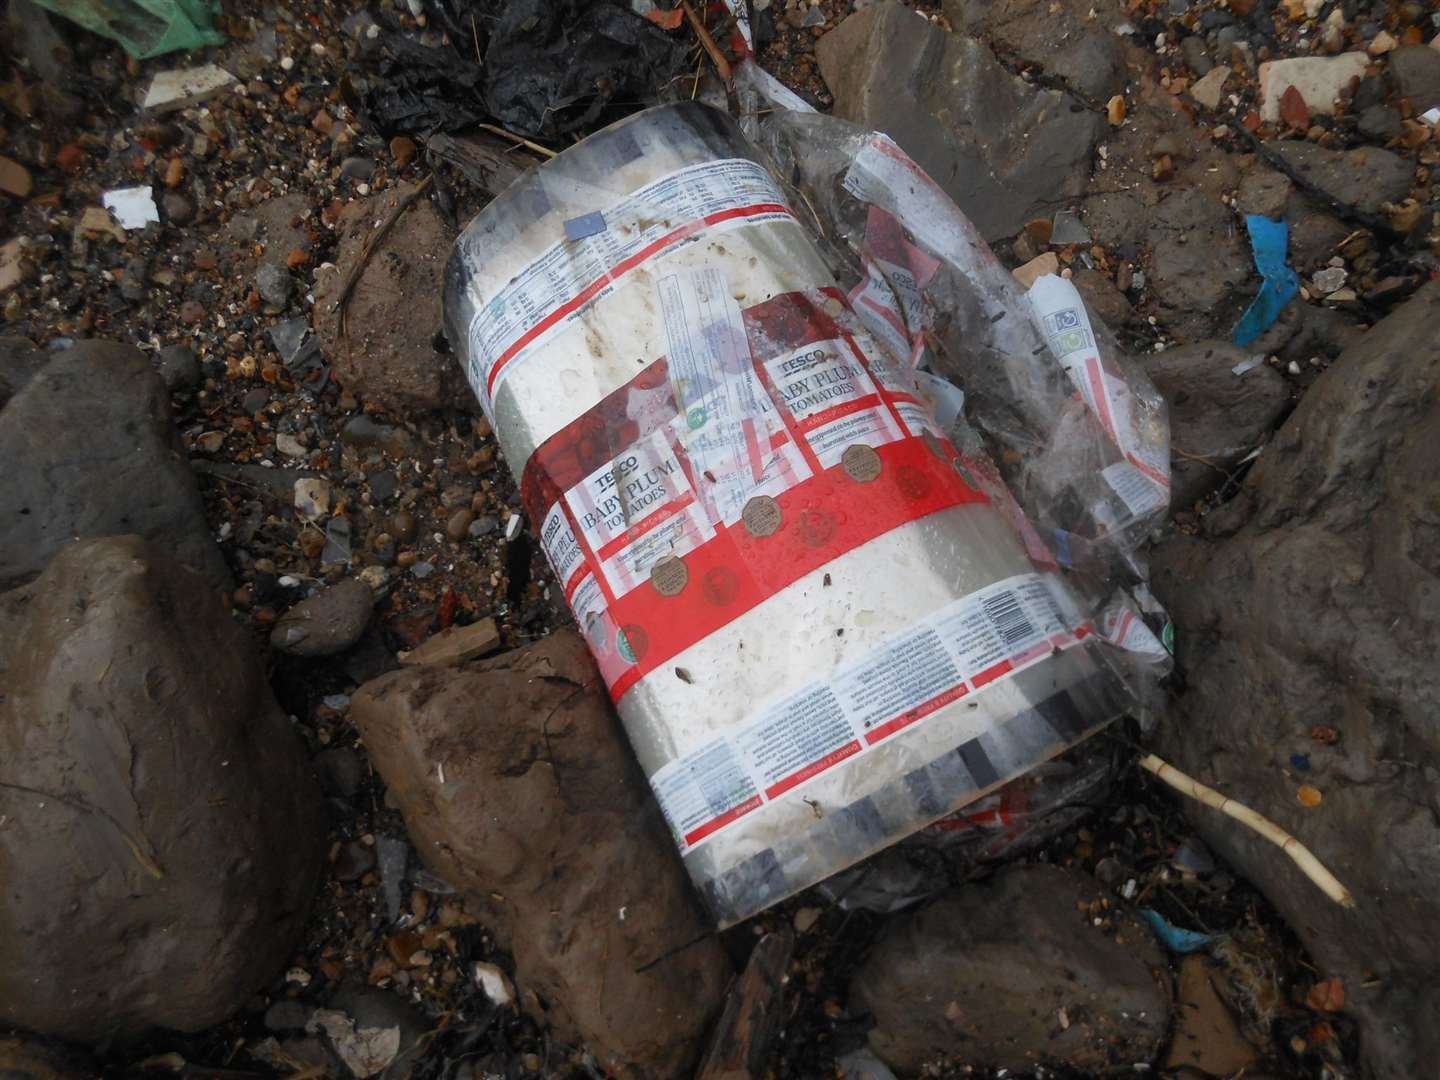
(157, 805)
(70, 158)
(459, 524)
(1216, 416)
(1293, 110)
(1313, 601)
(517, 787)
(174, 173)
(14, 178)
(1013, 974)
(1102, 297)
(402, 149)
(385, 354)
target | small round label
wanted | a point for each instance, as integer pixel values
(695, 418)
(761, 516)
(669, 576)
(860, 463)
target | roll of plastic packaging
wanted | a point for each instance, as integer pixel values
(819, 631)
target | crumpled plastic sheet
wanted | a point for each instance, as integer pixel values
(540, 68)
(1002, 826)
(145, 28)
(1269, 241)
(1078, 431)
(1072, 436)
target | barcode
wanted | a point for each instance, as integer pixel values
(1008, 617)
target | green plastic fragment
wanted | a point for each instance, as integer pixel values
(145, 28)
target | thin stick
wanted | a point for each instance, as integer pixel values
(366, 249)
(722, 66)
(1309, 865)
(520, 140)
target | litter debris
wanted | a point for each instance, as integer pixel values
(1066, 229)
(133, 207)
(183, 87)
(455, 645)
(541, 68)
(495, 984)
(365, 1051)
(1309, 865)
(808, 456)
(1176, 938)
(1279, 284)
(145, 28)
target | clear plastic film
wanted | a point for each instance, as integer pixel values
(1080, 435)
(821, 632)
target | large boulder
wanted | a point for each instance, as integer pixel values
(1306, 627)
(517, 787)
(89, 450)
(162, 836)
(1014, 974)
(382, 349)
(1216, 416)
(1003, 149)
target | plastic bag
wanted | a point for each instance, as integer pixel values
(145, 28)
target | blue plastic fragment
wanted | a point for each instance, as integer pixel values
(1269, 241)
(577, 228)
(1176, 938)
(1300, 762)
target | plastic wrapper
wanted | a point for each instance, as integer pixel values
(1080, 435)
(145, 28)
(1002, 826)
(821, 633)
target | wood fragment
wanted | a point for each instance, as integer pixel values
(454, 645)
(519, 140)
(722, 66)
(747, 1025)
(1302, 856)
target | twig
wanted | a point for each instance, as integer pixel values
(722, 66)
(1309, 865)
(475, 33)
(353, 277)
(519, 140)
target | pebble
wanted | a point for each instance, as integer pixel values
(377, 577)
(1328, 280)
(15, 178)
(178, 209)
(312, 497)
(422, 570)
(272, 282)
(289, 445)
(383, 486)
(483, 526)
(255, 400)
(1207, 91)
(178, 367)
(459, 524)
(211, 441)
(132, 286)
(402, 526)
(327, 623)
(357, 168)
(1319, 79)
